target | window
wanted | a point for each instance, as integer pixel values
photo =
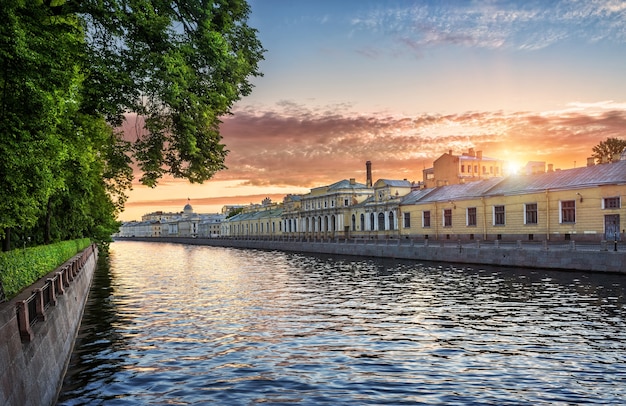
(426, 219)
(475, 168)
(447, 217)
(498, 215)
(372, 221)
(462, 168)
(530, 213)
(362, 222)
(407, 220)
(345, 202)
(381, 221)
(568, 211)
(471, 216)
(391, 221)
(611, 203)
(484, 170)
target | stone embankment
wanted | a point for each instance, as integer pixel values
(37, 332)
(601, 257)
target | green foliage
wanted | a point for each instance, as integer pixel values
(606, 150)
(69, 73)
(181, 65)
(234, 212)
(21, 268)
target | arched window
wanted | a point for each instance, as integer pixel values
(353, 222)
(372, 221)
(381, 221)
(391, 227)
(333, 225)
(362, 222)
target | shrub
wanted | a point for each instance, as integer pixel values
(21, 268)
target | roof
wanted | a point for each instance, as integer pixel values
(576, 178)
(460, 191)
(394, 183)
(345, 184)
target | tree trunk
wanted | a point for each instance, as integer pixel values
(46, 231)
(6, 241)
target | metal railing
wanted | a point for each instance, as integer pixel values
(33, 309)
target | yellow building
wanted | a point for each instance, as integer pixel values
(450, 169)
(582, 204)
(255, 221)
(325, 211)
(379, 215)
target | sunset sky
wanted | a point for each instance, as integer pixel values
(401, 82)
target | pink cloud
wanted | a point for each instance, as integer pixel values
(294, 146)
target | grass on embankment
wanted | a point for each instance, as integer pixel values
(20, 268)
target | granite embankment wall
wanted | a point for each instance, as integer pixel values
(562, 256)
(37, 332)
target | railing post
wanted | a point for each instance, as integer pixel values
(26, 333)
(572, 245)
(53, 294)
(39, 304)
(545, 245)
(59, 283)
(519, 244)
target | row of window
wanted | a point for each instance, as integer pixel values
(475, 167)
(567, 213)
(312, 205)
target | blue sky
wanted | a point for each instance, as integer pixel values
(401, 82)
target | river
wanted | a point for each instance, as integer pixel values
(178, 324)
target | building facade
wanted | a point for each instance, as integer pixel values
(450, 169)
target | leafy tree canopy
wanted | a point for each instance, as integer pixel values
(181, 64)
(606, 150)
(72, 70)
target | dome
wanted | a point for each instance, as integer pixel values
(187, 209)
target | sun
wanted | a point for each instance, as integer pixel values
(513, 167)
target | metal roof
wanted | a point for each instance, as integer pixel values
(345, 184)
(576, 178)
(394, 182)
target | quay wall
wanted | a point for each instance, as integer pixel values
(587, 258)
(35, 349)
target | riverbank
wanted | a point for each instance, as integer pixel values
(37, 332)
(604, 257)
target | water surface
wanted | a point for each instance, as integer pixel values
(176, 324)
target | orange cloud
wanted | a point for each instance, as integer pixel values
(294, 148)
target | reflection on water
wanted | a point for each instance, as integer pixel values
(175, 324)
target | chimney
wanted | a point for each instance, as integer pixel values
(479, 154)
(591, 161)
(368, 169)
(352, 181)
(472, 153)
(449, 152)
(550, 168)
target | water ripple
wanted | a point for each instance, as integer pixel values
(173, 324)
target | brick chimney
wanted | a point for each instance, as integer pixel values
(368, 169)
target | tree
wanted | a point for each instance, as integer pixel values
(180, 64)
(605, 151)
(37, 89)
